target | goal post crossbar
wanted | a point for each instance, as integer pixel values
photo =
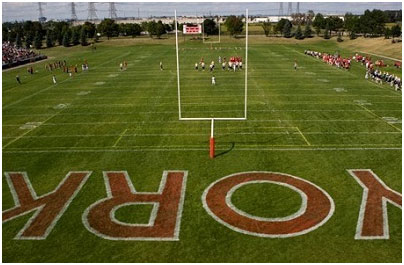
(209, 119)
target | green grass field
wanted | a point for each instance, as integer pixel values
(313, 123)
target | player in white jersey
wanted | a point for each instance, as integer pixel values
(213, 80)
(54, 79)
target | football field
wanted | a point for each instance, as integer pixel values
(315, 123)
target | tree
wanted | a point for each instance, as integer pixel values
(396, 31)
(12, 37)
(309, 17)
(339, 38)
(327, 32)
(76, 36)
(279, 26)
(160, 29)
(38, 41)
(135, 30)
(319, 21)
(266, 26)
(352, 35)
(108, 27)
(18, 40)
(49, 39)
(83, 37)
(234, 25)
(28, 40)
(287, 29)
(210, 27)
(66, 39)
(299, 34)
(89, 28)
(387, 33)
(334, 23)
(307, 31)
(5, 33)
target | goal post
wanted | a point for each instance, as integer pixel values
(212, 119)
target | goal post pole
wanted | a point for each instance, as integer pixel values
(246, 65)
(212, 140)
(178, 65)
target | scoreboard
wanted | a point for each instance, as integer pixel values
(192, 29)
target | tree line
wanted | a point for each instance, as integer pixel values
(370, 24)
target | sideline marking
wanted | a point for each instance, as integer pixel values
(381, 56)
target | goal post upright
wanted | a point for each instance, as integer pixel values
(246, 65)
(178, 65)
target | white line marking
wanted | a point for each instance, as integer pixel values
(381, 56)
(358, 234)
(164, 149)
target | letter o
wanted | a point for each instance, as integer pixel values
(317, 206)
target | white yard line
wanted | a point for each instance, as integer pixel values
(172, 112)
(195, 134)
(309, 103)
(381, 56)
(175, 122)
(202, 149)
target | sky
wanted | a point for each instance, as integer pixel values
(12, 11)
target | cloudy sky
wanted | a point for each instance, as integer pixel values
(62, 10)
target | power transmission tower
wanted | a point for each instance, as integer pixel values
(73, 9)
(41, 17)
(297, 8)
(289, 9)
(280, 10)
(92, 12)
(112, 11)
